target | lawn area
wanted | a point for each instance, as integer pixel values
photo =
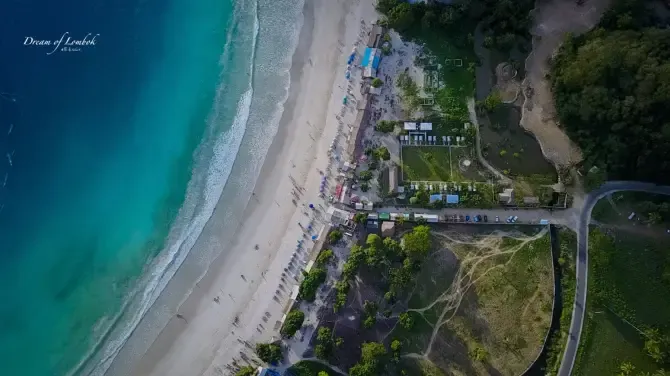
(606, 343)
(629, 279)
(427, 163)
(438, 163)
(309, 368)
(492, 294)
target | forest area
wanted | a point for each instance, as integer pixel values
(612, 88)
(503, 21)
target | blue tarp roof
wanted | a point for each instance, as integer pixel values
(452, 199)
(435, 197)
(366, 57)
(375, 62)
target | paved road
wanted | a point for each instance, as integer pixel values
(578, 311)
(566, 217)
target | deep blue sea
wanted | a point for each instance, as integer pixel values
(112, 157)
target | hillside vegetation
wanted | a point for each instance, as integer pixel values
(612, 88)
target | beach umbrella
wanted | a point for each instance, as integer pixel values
(311, 206)
(313, 237)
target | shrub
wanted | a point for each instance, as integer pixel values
(385, 126)
(406, 321)
(246, 371)
(377, 82)
(293, 322)
(269, 352)
(365, 187)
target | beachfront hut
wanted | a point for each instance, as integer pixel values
(370, 62)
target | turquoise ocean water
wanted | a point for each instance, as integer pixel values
(113, 157)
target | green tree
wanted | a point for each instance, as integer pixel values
(626, 369)
(322, 373)
(365, 175)
(417, 243)
(269, 352)
(492, 101)
(401, 17)
(376, 82)
(292, 324)
(324, 348)
(360, 218)
(383, 153)
(385, 6)
(615, 116)
(656, 345)
(311, 283)
(413, 200)
(334, 236)
(406, 321)
(385, 126)
(325, 257)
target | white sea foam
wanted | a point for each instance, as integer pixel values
(196, 211)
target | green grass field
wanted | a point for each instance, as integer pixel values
(629, 279)
(428, 163)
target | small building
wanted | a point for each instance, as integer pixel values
(388, 228)
(426, 126)
(430, 218)
(368, 206)
(409, 126)
(370, 62)
(375, 90)
(393, 179)
(452, 199)
(507, 196)
(358, 206)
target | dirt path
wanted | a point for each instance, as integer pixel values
(465, 277)
(552, 19)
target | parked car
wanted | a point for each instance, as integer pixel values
(509, 219)
(514, 218)
(475, 219)
(497, 219)
(479, 218)
(467, 218)
(486, 218)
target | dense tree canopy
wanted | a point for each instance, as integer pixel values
(293, 322)
(612, 89)
(269, 352)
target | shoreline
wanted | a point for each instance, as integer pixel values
(203, 337)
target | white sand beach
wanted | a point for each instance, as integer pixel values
(205, 337)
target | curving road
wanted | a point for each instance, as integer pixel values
(578, 311)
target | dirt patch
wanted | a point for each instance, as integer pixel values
(552, 19)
